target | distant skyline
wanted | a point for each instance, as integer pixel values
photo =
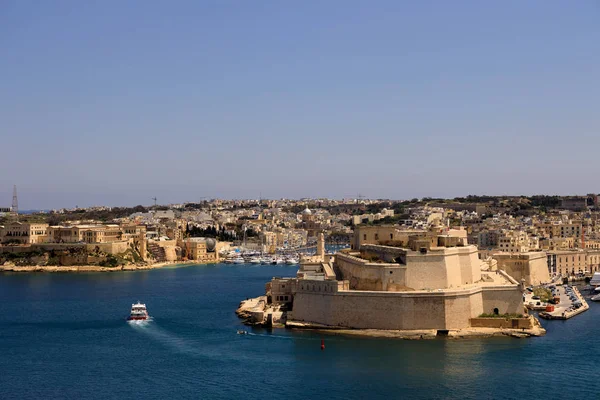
(113, 103)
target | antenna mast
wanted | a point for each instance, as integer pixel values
(15, 203)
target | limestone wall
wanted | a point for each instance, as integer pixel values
(508, 300)
(110, 248)
(429, 271)
(371, 276)
(170, 249)
(459, 309)
(389, 310)
(40, 247)
(439, 268)
(513, 323)
(531, 267)
(538, 270)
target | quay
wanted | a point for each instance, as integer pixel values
(566, 309)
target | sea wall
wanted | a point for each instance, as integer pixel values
(510, 323)
(324, 303)
(508, 300)
(388, 310)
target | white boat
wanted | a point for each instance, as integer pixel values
(595, 281)
(238, 260)
(595, 298)
(254, 260)
(279, 261)
(138, 312)
(291, 261)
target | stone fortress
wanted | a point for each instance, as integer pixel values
(395, 280)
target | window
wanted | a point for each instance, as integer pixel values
(365, 236)
(377, 236)
(391, 236)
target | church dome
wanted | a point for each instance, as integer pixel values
(306, 211)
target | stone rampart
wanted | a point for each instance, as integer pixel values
(502, 323)
(110, 248)
(448, 309)
(506, 299)
(364, 275)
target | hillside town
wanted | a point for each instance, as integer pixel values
(514, 232)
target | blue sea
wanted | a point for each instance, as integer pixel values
(65, 336)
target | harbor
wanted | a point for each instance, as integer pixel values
(570, 303)
(193, 340)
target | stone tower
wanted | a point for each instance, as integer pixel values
(321, 245)
(142, 242)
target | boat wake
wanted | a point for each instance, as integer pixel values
(140, 322)
(164, 337)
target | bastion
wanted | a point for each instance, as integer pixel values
(435, 284)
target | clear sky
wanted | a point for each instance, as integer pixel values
(114, 102)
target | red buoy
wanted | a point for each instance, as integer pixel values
(322, 344)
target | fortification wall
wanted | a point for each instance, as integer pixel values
(388, 310)
(538, 270)
(442, 268)
(531, 267)
(40, 247)
(461, 308)
(508, 300)
(110, 248)
(501, 323)
(371, 276)
(426, 271)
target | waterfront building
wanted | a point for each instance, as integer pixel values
(573, 262)
(85, 234)
(24, 233)
(201, 249)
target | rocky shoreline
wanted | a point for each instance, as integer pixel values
(468, 333)
(90, 268)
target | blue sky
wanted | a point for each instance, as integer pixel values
(117, 102)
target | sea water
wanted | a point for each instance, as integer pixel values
(66, 336)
